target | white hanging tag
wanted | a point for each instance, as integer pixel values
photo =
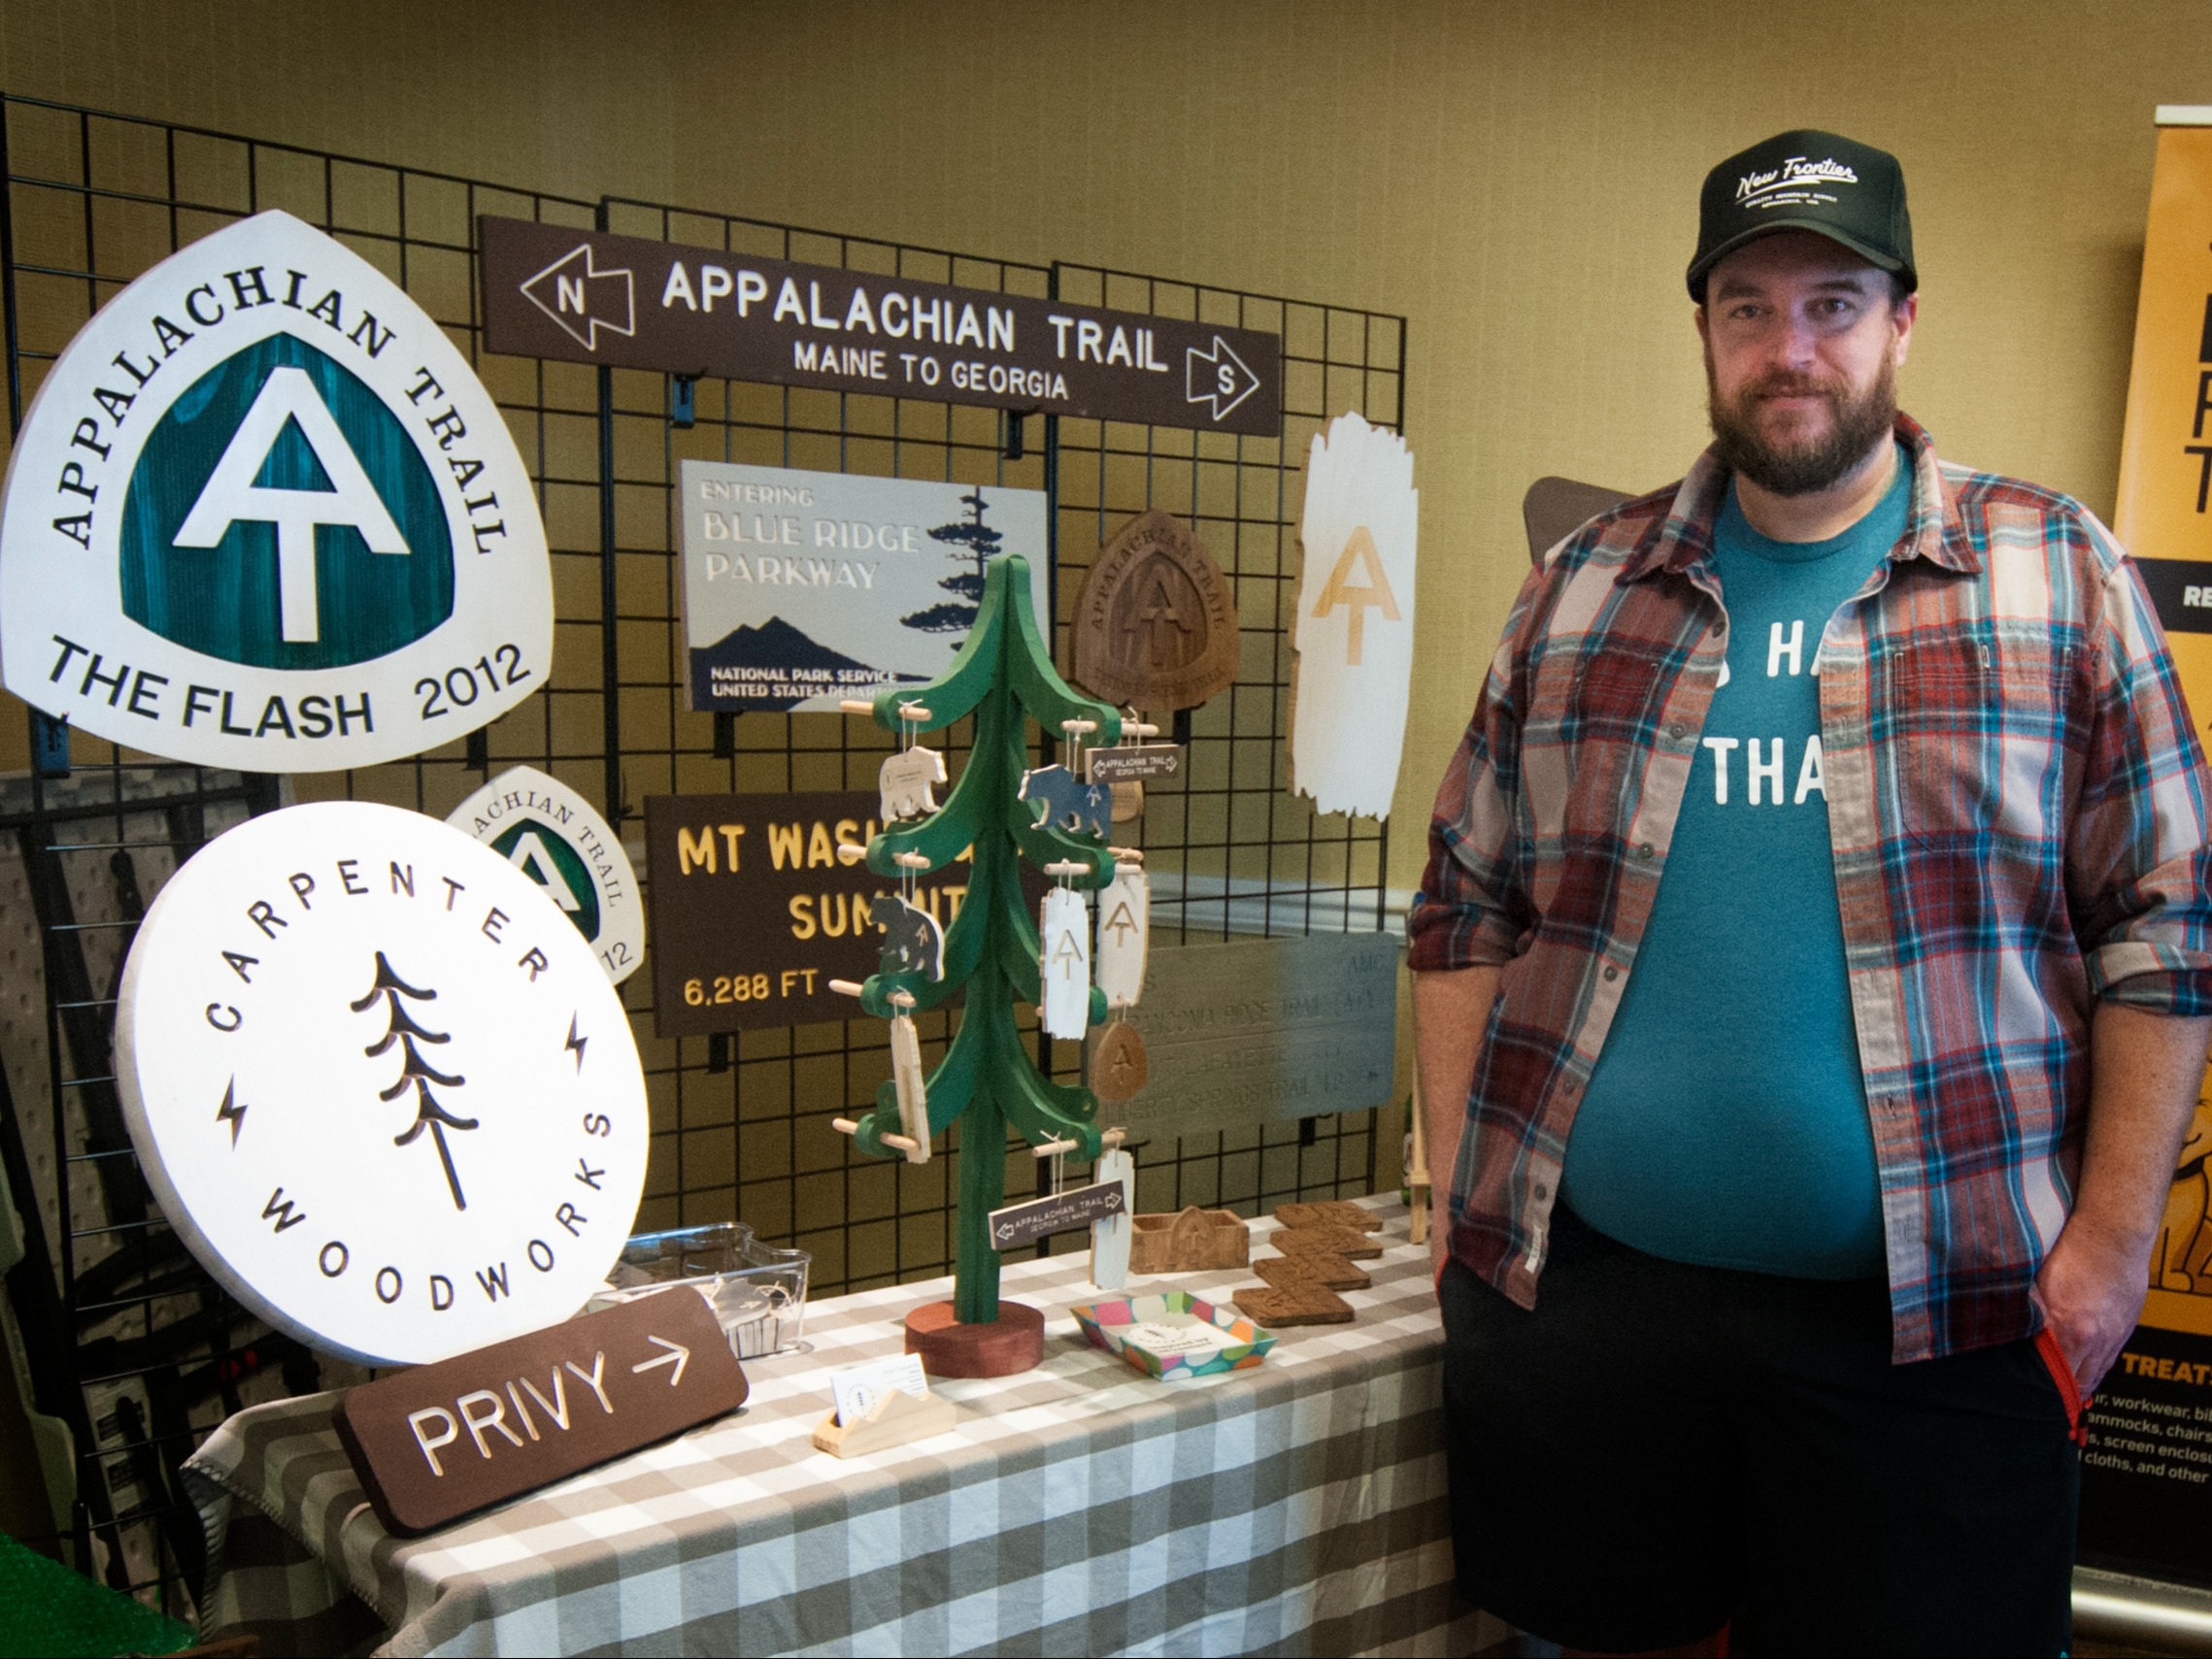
(1124, 910)
(1110, 1236)
(903, 785)
(1063, 933)
(915, 942)
(906, 1078)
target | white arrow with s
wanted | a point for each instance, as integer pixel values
(1227, 381)
(676, 1355)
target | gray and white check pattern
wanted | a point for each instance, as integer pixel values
(1079, 1508)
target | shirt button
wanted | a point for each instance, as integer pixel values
(1676, 730)
(1645, 850)
(1612, 973)
(1542, 1191)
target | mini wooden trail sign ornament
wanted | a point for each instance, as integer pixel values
(557, 839)
(1125, 931)
(434, 1443)
(1024, 1223)
(1154, 621)
(913, 1091)
(1063, 928)
(381, 1087)
(261, 514)
(1354, 627)
(1133, 763)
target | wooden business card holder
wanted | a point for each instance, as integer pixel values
(896, 1418)
(1190, 1241)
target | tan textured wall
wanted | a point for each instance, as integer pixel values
(1518, 178)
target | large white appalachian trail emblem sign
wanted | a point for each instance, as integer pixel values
(262, 514)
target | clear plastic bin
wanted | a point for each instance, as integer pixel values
(758, 1292)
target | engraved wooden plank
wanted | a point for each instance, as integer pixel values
(1263, 1030)
(1024, 1223)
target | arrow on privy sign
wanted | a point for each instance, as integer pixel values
(1224, 383)
(582, 299)
(676, 1357)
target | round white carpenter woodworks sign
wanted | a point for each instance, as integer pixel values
(379, 1085)
(557, 839)
(262, 514)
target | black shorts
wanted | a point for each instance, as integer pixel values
(1659, 1451)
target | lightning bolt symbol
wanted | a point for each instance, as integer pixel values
(230, 1112)
(574, 1045)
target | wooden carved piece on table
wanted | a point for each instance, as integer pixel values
(1312, 1267)
(1190, 1240)
(1124, 932)
(1118, 1064)
(1354, 636)
(914, 944)
(1329, 1212)
(1278, 1305)
(1155, 624)
(903, 787)
(1063, 935)
(1327, 1241)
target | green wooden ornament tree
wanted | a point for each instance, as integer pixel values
(987, 1081)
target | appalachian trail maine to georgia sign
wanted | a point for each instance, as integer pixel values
(261, 514)
(380, 1083)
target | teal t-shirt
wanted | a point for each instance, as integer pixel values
(1725, 1123)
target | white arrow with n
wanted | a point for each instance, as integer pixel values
(231, 495)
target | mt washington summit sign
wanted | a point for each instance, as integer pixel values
(261, 514)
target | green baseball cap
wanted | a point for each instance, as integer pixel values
(1851, 193)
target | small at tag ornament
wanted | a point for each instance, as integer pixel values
(1117, 1065)
(1063, 932)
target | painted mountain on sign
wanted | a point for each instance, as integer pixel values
(775, 667)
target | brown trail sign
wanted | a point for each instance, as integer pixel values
(1155, 624)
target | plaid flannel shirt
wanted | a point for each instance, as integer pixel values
(2018, 810)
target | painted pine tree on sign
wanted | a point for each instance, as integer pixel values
(988, 1080)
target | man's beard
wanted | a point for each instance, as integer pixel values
(1802, 467)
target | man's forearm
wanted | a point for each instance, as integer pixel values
(1450, 1011)
(2145, 1070)
(2144, 1074)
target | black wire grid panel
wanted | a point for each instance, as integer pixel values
(135, 1348)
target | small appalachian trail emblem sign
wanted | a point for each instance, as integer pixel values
(380, 1088)
(261, 514)
(1155, 623)
(557, 839)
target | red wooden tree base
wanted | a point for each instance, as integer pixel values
(949, 1348)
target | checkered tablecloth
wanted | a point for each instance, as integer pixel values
(1079, 1508)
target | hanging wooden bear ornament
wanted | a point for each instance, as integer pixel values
(913, 942)
(1063, 932)
(904, 784)
(1067, 804)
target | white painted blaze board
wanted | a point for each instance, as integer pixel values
(380, 1086)
(1354, 629)
(801, 589)
(262, 514)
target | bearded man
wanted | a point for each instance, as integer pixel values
(1813, 970)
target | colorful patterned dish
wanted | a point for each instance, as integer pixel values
(1174, 1335)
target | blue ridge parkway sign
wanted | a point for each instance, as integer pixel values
(262, 514)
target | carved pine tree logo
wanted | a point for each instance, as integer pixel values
(414, 1069)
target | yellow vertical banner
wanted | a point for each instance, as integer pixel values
(2165, 521)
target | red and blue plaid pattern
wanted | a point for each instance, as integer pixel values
(2018, 807)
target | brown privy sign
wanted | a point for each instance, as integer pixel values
(435, 1443)
(1155, 624)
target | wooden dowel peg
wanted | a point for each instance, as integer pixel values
(1138, 729)
(1066, 867)
(851, 853)
(1113, 1138)
(914, 712)
(844, 1126)
(854, 706)
(845, 988)
(904, 1142)
(1051, 1148)
(900, 999)
(911, 860)
(1127, 854)
(1079, 727)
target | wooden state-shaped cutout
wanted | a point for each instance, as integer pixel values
(1155, 624)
